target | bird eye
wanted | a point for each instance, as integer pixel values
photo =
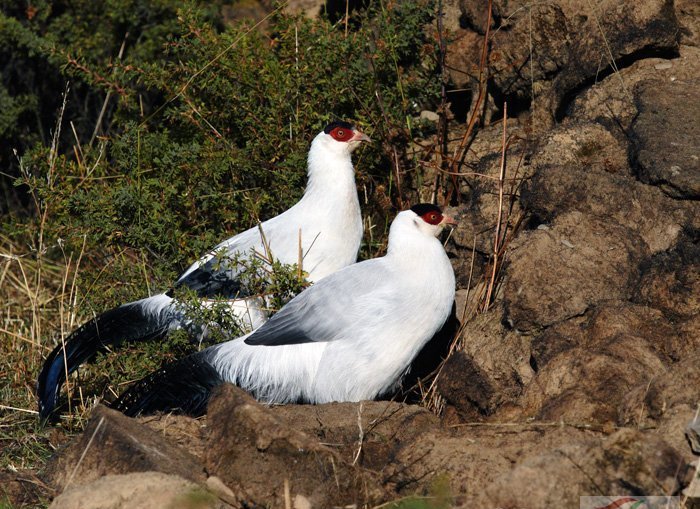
(341, 134)
(433, 218)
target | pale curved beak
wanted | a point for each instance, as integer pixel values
(448, 221)
(358, 135)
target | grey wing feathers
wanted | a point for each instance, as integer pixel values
(212, 280)
(324, 310)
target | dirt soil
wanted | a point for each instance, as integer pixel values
(582, 378)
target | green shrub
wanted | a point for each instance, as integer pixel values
(213, 134)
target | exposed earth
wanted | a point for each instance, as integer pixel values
(583, 376)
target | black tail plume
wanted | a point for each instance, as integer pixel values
(130, 322)
(182, 387)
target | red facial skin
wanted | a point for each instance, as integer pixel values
(432, 217)
(341, 134)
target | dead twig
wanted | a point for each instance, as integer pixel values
(360, 436)
(497, 235)
(107, 97)
(461, 150)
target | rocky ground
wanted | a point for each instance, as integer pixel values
(583, 377)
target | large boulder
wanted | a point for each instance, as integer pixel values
(543, 54)
(582, 166)
(587, 385)
(115, 444)
(560, 271)
(490, 369)
(628, 462)
(666, 402)
(259, 455)
(666, 134)
(144, 490)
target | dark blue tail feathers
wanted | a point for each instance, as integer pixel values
(128, 323)
(182, 387)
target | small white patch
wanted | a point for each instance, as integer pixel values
(567, 243)
(301, 502)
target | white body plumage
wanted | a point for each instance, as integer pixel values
(352, 335)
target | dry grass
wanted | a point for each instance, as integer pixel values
(41, 303)
(38, 297)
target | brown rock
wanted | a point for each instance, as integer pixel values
(541, 54)
(463, 60)
(671, 282)
(673, 428)
(611, 29)
(385, 426)
(610, 101)
(451, 15)
(255, 453)
(188, 433)
(466, 386)
(556, 339)
(489, 369)
(475, 14)
(606, 323)
(627, 462)
(688, 12)
(532, 464)
(648, 402)
(474, 455)
(143, 490)
(115, 444)
(582, 385)
(584, 167)
(560, 272)
(584, 145)
(522, 74)
(609, 322)
(643, 324)
(463, 64)
(666, 136)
